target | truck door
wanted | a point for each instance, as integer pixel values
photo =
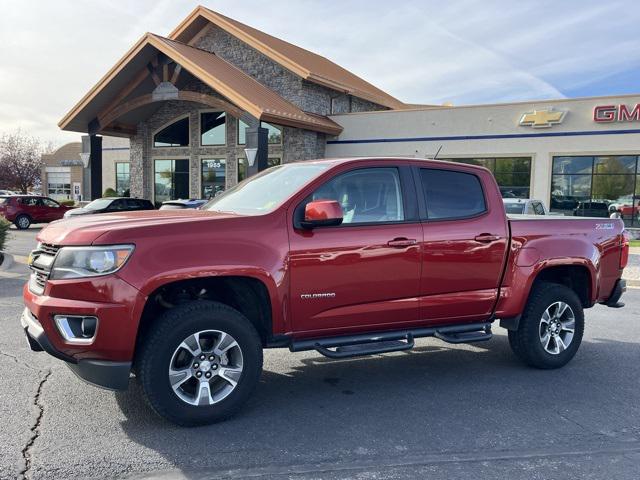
(464, 246)
(365, 272)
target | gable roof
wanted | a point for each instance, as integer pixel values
(308, 65)
(231, 82)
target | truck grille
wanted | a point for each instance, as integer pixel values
(39, 275)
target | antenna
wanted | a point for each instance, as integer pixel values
(435, 157)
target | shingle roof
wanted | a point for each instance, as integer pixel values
(308, 65)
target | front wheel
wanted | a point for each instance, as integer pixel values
(200, 363)
(551, 327)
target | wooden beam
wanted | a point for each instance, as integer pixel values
(152, 72)
(124, 93)
(176, 73)
(165, 72)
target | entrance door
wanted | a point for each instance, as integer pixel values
(171, 180)
(364, 272)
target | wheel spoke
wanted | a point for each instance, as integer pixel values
(192, 344)
(231, 374)
(560, 344)
(225, 342)
(545, 317)
(178, 377)
(545, 339)
(568, 326)
(561, 309)
(203, 396)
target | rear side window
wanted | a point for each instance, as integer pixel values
(450, 194)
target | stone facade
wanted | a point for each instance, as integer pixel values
(297, 144)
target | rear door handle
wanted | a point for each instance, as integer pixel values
(487, 238)
(402, 242)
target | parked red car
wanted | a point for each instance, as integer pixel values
(23, 210)
(345, 257)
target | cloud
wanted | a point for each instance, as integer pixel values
(421, 51)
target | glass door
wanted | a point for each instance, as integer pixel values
(171, 180)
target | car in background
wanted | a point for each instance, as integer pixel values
(592, 209)
(7, 193)
(181, 204)
(23, 210)
(524, 206)
(111, 205)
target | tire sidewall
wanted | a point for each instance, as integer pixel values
(154, 375)
(542, 358)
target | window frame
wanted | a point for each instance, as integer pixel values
(407, 191)
(201, 159)
(422, 197)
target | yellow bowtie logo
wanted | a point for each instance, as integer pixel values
(542, 118)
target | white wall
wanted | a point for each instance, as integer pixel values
(501, 119)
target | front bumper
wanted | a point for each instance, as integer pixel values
(106, 374)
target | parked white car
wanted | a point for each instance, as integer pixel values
(524, 206)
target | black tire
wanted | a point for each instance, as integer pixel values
(525, 341)
(168, 332)
(22, 222)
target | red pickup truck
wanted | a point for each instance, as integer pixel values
(346, 257)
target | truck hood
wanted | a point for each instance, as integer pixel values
(125, 226)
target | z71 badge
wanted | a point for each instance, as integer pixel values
(604, 226)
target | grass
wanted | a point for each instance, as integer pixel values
(634, 243)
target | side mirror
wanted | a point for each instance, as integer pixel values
(322, 213)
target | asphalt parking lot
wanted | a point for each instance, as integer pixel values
(439, 411)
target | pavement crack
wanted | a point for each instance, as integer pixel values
(20, 362)
(35, 428)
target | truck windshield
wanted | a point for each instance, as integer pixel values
(264, 192)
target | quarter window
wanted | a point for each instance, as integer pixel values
(175, 135)
(370, 195)
(451, 194)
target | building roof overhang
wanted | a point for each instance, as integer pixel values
(308, 65)
(96, 111)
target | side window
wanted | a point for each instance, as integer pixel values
(50, 203)
(538, 208)
(29, 201)
(450, 194)
(116, 205)
(369, 195)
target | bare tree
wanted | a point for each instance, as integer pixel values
(20, 160)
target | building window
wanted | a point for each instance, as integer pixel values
(243, 166)
(171, 180)
(274, 134)
(174, 135)
(513, 174)
(123, 179)
(213, 128)
(214, 176)
(596, 186)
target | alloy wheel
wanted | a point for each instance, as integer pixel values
(557, 327)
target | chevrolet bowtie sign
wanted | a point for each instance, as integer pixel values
(542, 118)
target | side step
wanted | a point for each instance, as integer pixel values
(382, 342)
(369, 348)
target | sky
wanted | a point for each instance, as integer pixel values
(464, 52)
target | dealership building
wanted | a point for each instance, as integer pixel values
(216, 101)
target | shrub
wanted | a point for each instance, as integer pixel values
(110, 192)
(67, 203)
(4, 231)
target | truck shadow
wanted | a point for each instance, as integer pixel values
(435, 398)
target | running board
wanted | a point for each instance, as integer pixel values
(394, 341)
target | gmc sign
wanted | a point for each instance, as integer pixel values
(616, 113)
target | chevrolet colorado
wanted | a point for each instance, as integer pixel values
(346, 257)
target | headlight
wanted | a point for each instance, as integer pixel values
(78, 262)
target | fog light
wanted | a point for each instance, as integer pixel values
(77, 329)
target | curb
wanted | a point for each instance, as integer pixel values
(633, 283)
(7, 262)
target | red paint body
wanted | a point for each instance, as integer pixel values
(40, 212)
(384, 276)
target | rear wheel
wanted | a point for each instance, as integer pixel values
(22, 222)
(200, 363)
(551, 328)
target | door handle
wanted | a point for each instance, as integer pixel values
(402, 242)
(486, 238)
